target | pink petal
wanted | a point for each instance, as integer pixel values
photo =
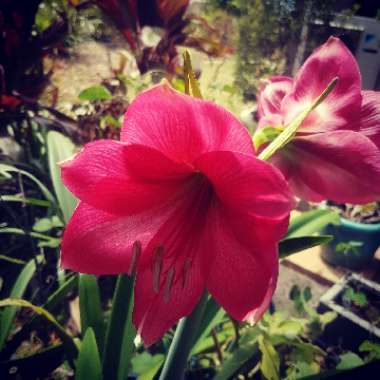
(155, 313)
(99, 243)
(342, 166)
(247, 184)
(234, 195)
(123, 179)
(244, 225)
(271, 94)
(270, 120)
(370, 116)
(342, 106)
(182, 127)
(172, 275)
(244, 274)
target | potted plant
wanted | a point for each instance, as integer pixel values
(356, 302)
(356, 237)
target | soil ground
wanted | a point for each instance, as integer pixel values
(289, 277)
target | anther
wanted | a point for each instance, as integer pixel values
(157, 267)
(186, 269)
(168, 284)
(136, 251)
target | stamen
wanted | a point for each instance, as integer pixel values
(186, 269)
(136, 251)
(168, 284)
(157, 267)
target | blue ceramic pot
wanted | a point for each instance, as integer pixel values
(354, 244)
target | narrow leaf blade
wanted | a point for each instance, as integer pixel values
(66, 339)
(91, 314)
(212, 316)
(290, 130)
(311, 222)
(120, 335)
(60, 148)
(88, 364)
(18, 289)
(293, 245)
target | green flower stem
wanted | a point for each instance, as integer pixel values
(176, 360)
(290, 130)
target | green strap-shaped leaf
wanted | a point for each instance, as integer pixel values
(147, 365)
(191, 82)
(212, 316)
(54, 299)
(60, 148)
(121, 333)
(91, 314)
(12, 260)
(311, 222)
(28, 201)
(59, 295)
(293, 245)
(88, 364)
(290, 130)
(18, 289)
(6, 169)
(66, 339)
(33, 234)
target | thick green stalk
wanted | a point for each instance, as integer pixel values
(290, 130)
(176, 360)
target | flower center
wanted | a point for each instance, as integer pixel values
(177, 243)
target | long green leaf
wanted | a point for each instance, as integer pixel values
(212, 316)
(290, 130)
(28, 201)
(66, 339)
(91, 314)
(54, 299)
(34, 366)
(12, 260)
(59, 295)
(60, 148)
(5, 169)
(37, 235)
(88, 364)
(18, 289)
(120, 335)
(147, 365)
(293, 245)
(311, 222)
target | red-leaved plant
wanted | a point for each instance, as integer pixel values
(131, 16)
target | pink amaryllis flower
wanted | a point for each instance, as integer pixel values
(334, 154)
(183, 201)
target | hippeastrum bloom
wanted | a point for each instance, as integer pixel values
(369, 123)
(183, 201)
(333, 154)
